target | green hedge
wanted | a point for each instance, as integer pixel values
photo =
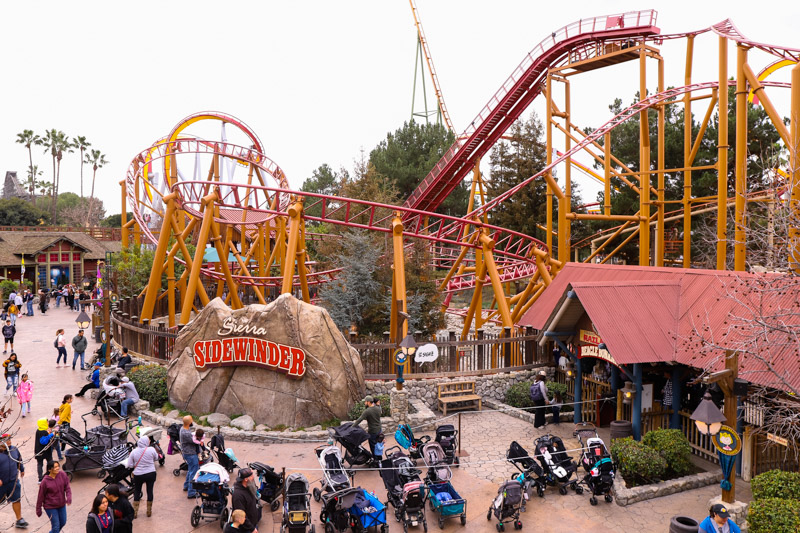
(151, 383)
(638, 463)
(674, 447)
(776, 484)
(358, 408)
(774, 515)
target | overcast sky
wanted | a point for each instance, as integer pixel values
(317, 80)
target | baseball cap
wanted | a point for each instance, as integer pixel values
(542, 373)
(720, 510)
(369, 399)
(98, 364)
(245, 473)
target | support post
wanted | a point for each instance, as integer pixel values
(722, 157)
(644, 165)
(578, 394)
(154, 284)
(549, 156)
(124, 216)
(794, 169)
(739, 250)
(659, 250)
(194, 274)
(636, 413)
(675, 419)
(295, 215)
(687, 150)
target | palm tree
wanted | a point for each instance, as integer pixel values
(28, 138)
(81, 144)
(97, 160)
(56, 142)
(32, 182)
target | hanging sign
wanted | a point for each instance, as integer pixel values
(247, 351)
(777, 439)
(727, 441)
(594, 351)
(589, 337)
(427, 353)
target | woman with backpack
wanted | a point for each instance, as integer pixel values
(60, 344)
(539, 398)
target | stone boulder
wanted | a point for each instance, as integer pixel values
(244, 422)
(217, 419)
(333, 380)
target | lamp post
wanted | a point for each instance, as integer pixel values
(83, 321)
(707, 416)
(408, 347)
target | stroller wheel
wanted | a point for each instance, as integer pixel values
(500, 526)
(518, 524)
(593, 500)
(317, 494)
(275, 505)
(161, 461)
(562, 491)
(463, 520)
(101, 474)
(405, 527)
(223, 517)
(195, 518)
(609, 498)
(578, 490)
(312, 528)
(540, 491)
(456, 461)
(69, 476)
(441, 523)
(489, 514)
(328, 527)
(176, 472)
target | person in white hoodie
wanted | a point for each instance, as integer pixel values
(143, 461)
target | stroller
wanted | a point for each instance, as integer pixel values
(367, 512)
(296, 505)
(154, 434)
(270, 484)
(435, 459)
(405, 438)
(335, 514)
(597, 462)
(116, 469)
(350, 437)
(531, 475)
(507, 505)
(211, 485)
(174, 434)
(559, 469)
(223, 456)
(107, 404)
(334, 477)
(447, 437)
(404, 490)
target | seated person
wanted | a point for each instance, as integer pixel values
(718, 521)
(125, 359)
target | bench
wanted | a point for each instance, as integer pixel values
(457, 395)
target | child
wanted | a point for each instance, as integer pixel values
(25, 394)
(65, 412)
(237, 519)
(9, 330)
(556, 403)
(53, 423)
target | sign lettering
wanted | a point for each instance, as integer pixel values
(247, 351)
(590, 337)
(230, 326)
(777, 439)
(594, 351)
(426, 353)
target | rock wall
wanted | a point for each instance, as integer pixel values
(332, 383)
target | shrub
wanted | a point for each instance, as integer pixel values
(776, 484)
(518, 395)
(7, 287)
(358, 408)
(774, 515)
(638, 463)
(674, 447)
(151, 383)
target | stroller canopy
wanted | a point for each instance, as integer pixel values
(213, 468)
(296, 484)
(115, 456)
(350, 434)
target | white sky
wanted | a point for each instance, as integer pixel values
(316, 80)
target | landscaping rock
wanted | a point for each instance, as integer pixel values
(218, 419)
(244, 422)
(141, 406)
(174, 414)
(262, 427)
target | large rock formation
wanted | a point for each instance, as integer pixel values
(332, 382)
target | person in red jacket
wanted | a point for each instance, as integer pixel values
(54, 496)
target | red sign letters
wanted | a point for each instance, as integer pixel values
(248, 351)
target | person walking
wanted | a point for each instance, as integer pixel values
(131, 396)
(43, 443)
(25, 394)
(244, 498)
(538, 394)
(13, 311)
(11, 368)
(143, 461)
(44, 299)
(12, 469)
(372, 414)
(54, 496)
(60, 344)
(121, 509)
(100, 519)
(94, 383)
(189, 450)
(59, 295)
(29, 302)
(9, 330)
(79, 344)
(18, 301)
(71, 299)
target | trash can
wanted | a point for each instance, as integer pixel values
(621, 429)
(683, 524)
(98, 332)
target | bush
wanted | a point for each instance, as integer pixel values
(518, 395)
(638, 463)
(7, 287)
(776, 484)
(674, 447)
(151, 383)
(774, 515)
(359, 407)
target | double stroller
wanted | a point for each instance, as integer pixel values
(270, 484)
(559, 469)
(211, 486)
(335, 514)
(350, 437)
(334, 476)
(507, 505)
(531, 475)
(597, 463)
(86, 452)
(404, 490)
(447, 437)
(296, 505)
(405, 438)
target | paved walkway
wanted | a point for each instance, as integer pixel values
(486, 437)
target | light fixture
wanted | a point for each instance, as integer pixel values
(408, 345)
(83, 320)
(570, 371)
(707, 417)
(628, 392)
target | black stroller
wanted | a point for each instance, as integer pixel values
(296, 505)
(222, 455)
(86, 453)
(531, 475)
(404, 490)
(350, 437)
(270, 484)
(174, 434)
(107, 404)
(597, 463)
(447, 437)
(117, 470)
(507, 505)
(212, 499)
(559, 468)
(336, 506)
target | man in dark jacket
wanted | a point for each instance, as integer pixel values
(122, 509)
(79, 344)
(125, 359)
(244, 498)
(372, 414)
(11, 469)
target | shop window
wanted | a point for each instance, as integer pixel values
(54, 258)
(65, 258)
(76, 256)
(42, 258)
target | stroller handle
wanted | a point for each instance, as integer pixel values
(425, 439)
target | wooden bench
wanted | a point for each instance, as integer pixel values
(457, 395)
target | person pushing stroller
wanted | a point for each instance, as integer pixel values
(372, 414)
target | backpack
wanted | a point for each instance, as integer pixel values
(536, 392)
(55, 343)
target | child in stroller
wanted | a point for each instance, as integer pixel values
(334, 477)
(211, 486)
(270, 484)
(559, 469)
(507, 505)
(296, 505)
(404, 490)
(531, 475)
(223, 455)
(596, 461)
(447, 437)
(435, 459)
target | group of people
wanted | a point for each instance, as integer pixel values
(73, 297)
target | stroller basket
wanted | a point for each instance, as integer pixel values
(106, 436)
(76, 459)
(368, 510)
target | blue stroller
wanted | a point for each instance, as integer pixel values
(405, 438)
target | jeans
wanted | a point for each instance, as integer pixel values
(13, 318)
(12, 381)
(30, 308)
(62, 350)
(74, 359)
(58, 300)
(58, 518)
(148, 480)
(26, 408)
(86, 388)
(193, 462)
(125, 406)
(41, 461)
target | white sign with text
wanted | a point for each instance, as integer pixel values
(427, 353)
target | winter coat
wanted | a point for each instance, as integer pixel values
(10, 465)
(123, 515)
(244, 500)
(54, 493)
(25, 391)
(12, 364)
(143, 459)
(709, 526)
(93, 524)
(9, 331)
(79, 343)
(43, 440)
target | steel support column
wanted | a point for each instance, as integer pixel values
(722, 157)
(740, 220)
(687, 150)
(644, 164)
(794, 172)
(399, 272)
